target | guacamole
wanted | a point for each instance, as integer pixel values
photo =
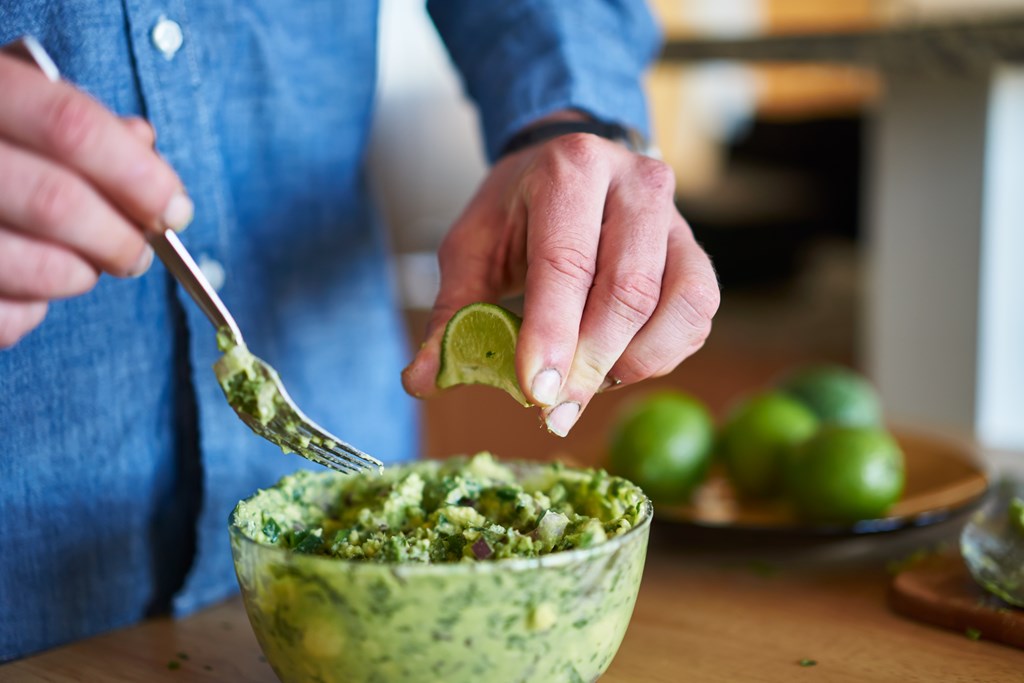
(461, 571)
(460, 510)
(247, 389)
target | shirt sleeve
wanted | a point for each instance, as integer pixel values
(526, 59)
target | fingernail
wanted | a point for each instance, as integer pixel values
(545, 386)
(143, 264)
(561, 419)
(178, 213)
(609, 383)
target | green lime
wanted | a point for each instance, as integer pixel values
(845, 474)
(479, 347)
(663, 444)
(835, 394)
(1017, 514)
(755, 438)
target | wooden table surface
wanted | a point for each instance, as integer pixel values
(712, 608)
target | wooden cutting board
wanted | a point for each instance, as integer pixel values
(940, 591)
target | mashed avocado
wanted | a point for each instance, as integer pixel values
(246, 388)
(460, 510)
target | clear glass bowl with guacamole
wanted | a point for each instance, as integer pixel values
(460, 571)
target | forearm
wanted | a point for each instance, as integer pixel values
(528, 61)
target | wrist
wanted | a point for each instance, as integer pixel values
(568, 122)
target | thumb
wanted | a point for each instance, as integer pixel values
(464, 280)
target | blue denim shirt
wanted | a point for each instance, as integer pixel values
(121, 458)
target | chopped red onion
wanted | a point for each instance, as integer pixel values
(482, 549)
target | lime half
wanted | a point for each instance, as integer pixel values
(479, 347)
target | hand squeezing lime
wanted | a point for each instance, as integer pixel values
(479, 347)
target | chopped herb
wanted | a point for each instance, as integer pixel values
(973, 633)
(271, 528)
(808, 662)
(174, 665)
(183, 656)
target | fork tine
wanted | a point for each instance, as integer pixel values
(339, 448)
(290, 428)
(276, 432)
(302, 442)
(311, 429)
(337, 461)
(314, 455)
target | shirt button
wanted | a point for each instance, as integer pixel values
(213, 270)
(167, 37)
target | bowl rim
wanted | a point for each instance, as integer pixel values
(403, 569)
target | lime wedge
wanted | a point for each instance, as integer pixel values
(479, 347)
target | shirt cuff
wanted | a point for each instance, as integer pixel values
(524, 60)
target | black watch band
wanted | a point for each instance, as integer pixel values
(545, 131)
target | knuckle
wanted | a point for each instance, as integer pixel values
(73, 126)
(634, 296)
(590, 372)
(636, 367)
(565, 162)
(579, 149)
(53, 201)
(45, 272)
(657, 176)
(697, 305)
(575, 267)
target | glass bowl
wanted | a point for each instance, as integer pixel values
(554, 618)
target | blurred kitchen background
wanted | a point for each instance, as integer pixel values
(855, 168)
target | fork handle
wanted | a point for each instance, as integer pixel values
(184, 269)
(166, 244)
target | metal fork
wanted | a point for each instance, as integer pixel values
(284, 425)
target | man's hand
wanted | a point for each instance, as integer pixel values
(78, 186)
(616, 288)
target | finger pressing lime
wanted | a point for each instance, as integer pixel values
(845, 474)
(836, 394)
(756, 437)
(479, 347)
(663, 444)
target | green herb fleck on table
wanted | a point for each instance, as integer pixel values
(807, 662)
(894, 567)
(973, 633)
(174, 665)
(183, 656)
